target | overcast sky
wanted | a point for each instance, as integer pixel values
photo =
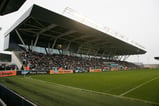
(136, 19)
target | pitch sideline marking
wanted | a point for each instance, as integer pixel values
(2, 102)
(138, 86)
(103, 93)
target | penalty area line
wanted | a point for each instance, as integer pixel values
(138, 86)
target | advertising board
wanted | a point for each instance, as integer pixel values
(7, 73)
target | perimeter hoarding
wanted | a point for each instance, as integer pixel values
(60, 71)
(25, 72)
(7, 73)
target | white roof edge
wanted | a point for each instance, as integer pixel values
(19, 20)
(68, 12)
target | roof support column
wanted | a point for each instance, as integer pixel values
(66, 50)
(36, 40)
(49, 49)
(31, 45)
(125, 57)
(103, 54)
(96, 52)
(53, 45)
(46, 51)
(68, 46)
(21, 39)
(120, 58)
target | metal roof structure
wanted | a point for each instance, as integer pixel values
(42, 27)
(8, 6)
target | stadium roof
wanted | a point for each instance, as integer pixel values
(45, 28)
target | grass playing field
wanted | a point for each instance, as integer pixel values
(122, 88)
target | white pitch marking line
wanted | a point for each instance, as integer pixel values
(103, 93)
(140, 85)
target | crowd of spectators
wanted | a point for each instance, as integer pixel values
(43, 62)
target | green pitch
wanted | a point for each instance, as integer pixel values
(122, 88)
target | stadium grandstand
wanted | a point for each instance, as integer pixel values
(42, 39)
